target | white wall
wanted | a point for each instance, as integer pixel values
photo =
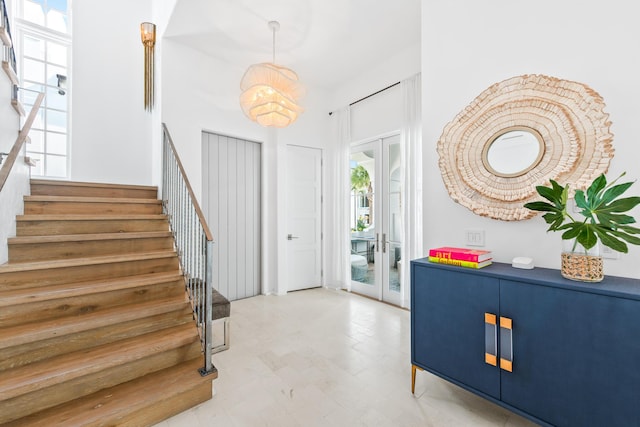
(17, 183)
(467, 46)
(111, 132)
(202, 93)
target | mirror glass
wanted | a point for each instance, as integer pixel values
(514, 152)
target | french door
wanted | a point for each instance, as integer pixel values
(376, 219)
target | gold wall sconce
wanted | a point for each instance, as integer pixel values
(148, 35)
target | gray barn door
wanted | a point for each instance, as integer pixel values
(231, 170)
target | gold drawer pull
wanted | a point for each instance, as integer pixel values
(506, 344)
(491, 339)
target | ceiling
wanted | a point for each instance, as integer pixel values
(326, 42)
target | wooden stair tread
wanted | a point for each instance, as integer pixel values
(74, 262)
(87, 237)
(86, 217)
(99, 331)
(67, 367)
(91, 184)
(81, 199)
(113, 403)
(67, 290)
(25, 333)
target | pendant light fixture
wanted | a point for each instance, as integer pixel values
(271, 93)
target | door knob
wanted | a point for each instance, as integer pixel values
(291, 237)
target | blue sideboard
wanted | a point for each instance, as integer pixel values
(559, 352)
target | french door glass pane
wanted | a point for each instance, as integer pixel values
(52, 74)
(394, 218)
(56, 143)
(56, 53)
(56, 166)
(33, 47)
(28, 96)
(57, 121)
(37, 140)
(362, 217)
(38, 169)
(33, 70)
(55, 100)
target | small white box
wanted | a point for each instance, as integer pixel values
(522, 262)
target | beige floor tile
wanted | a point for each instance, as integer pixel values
(330, 358)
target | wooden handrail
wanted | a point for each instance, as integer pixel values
(196, 205)
(17, 146)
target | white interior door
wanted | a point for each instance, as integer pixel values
(376, 219)
(304, 218)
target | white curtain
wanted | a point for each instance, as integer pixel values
(339, 252)
(411, 149)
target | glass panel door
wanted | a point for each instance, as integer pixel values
(364, 217)
(376, 219)
(392, 221)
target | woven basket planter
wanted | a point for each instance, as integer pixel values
(581, 267)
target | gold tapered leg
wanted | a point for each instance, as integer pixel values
(414, 369)
(413, 379)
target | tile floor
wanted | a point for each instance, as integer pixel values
(329, 358)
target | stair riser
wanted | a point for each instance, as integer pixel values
(166, 393)
(55, 276)
(84, 304)
(82, 191)
(50, 228)
(160, 411)
(20, 406)
(84, 208)
(42, 251)
(20, 355)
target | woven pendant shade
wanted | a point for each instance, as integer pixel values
(271, 93)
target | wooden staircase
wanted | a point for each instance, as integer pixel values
(95, 325)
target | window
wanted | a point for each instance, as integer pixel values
(44, 58)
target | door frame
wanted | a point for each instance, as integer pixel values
(381, 191)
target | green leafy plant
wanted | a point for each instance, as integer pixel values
(601, 208)
(360, 179)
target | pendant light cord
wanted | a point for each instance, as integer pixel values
(275, 26)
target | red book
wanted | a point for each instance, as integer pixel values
(462, 254)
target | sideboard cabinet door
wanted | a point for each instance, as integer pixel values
(448, 330)
(576, 355)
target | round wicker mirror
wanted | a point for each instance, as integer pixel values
(568, 120)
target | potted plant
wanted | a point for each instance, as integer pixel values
(603, 220)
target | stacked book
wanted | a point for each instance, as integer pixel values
(462, 257)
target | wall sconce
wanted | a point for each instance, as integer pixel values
(148, 35)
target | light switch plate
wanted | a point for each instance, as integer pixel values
(474, 237)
